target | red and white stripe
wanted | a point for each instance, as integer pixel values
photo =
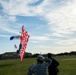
(23, 41)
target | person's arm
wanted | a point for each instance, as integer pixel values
(30, 70)
(48, 61)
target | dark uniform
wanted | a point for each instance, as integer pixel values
(52, 69)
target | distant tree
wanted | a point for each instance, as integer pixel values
(28, 55)
(35, 55)
(72, 53)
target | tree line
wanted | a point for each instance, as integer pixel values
(14, 55)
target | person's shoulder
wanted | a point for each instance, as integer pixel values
(32, 66)
(52, 58)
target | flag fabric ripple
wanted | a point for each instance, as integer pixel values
(23, 41)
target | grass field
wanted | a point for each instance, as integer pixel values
(14, 67)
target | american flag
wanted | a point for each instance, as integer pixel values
(23, 41)
(15, 46)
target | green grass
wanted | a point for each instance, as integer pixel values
(67, 65)
(14, 67)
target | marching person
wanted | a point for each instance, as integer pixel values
(40, 67)
(52, 69)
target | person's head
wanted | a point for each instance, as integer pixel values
(40, 59)
(49, 55)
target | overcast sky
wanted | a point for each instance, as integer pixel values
(51, 25)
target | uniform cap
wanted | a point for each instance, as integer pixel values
(40, 58)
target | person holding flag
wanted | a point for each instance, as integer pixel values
(23, 42)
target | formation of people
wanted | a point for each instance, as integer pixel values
(43, 64)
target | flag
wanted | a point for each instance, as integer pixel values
(15, 46)
(23, 41)
(14, 37)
